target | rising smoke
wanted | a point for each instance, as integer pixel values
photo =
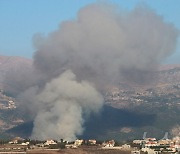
(175, 131)
(66, 101)
(74, 64)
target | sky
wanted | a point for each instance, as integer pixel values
(20, 20)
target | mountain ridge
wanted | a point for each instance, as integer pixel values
(8, 63)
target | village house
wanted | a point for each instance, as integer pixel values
(110, 143)
(138, 141)
(78, 142)
(149, 151)
(126, 146)
(92, 142)
(49, 142)
(25, 143)
(16, 140)
(164, 142)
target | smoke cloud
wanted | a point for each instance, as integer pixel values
(74, 64)
(104, 45)
(66, 102)
(175, 131)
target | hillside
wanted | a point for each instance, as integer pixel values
(10, 63)
(129, 111)
(97, 125)
(10, 114)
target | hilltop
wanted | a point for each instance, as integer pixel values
(11, 63)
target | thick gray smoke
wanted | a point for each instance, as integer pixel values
(101, 47)
(67, 101)
(175, 131)
(103, 43)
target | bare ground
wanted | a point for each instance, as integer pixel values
(90, 150)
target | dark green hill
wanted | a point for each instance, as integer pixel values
(98, 125)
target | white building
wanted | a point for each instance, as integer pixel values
(50, 142)
(109, 143)
(26, 143)
(126, 146)
(138, 141)
(93, 142)
(78, 142)
(149, 151)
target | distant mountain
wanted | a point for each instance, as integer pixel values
(168, 67)
(9, 63)
(169, 74)
(10, 114)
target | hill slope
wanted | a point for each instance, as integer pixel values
(10, 63)
(127, 114)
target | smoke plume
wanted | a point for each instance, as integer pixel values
(68, 101)
(175, 131)
(74, 64)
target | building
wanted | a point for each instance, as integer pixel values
(149, 151)
(50, 142)
(92, 142)
(110, 143)
(126, 146)
(78, 142)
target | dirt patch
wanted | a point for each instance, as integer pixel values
(87, 150)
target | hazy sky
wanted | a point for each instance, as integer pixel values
(21, 19)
